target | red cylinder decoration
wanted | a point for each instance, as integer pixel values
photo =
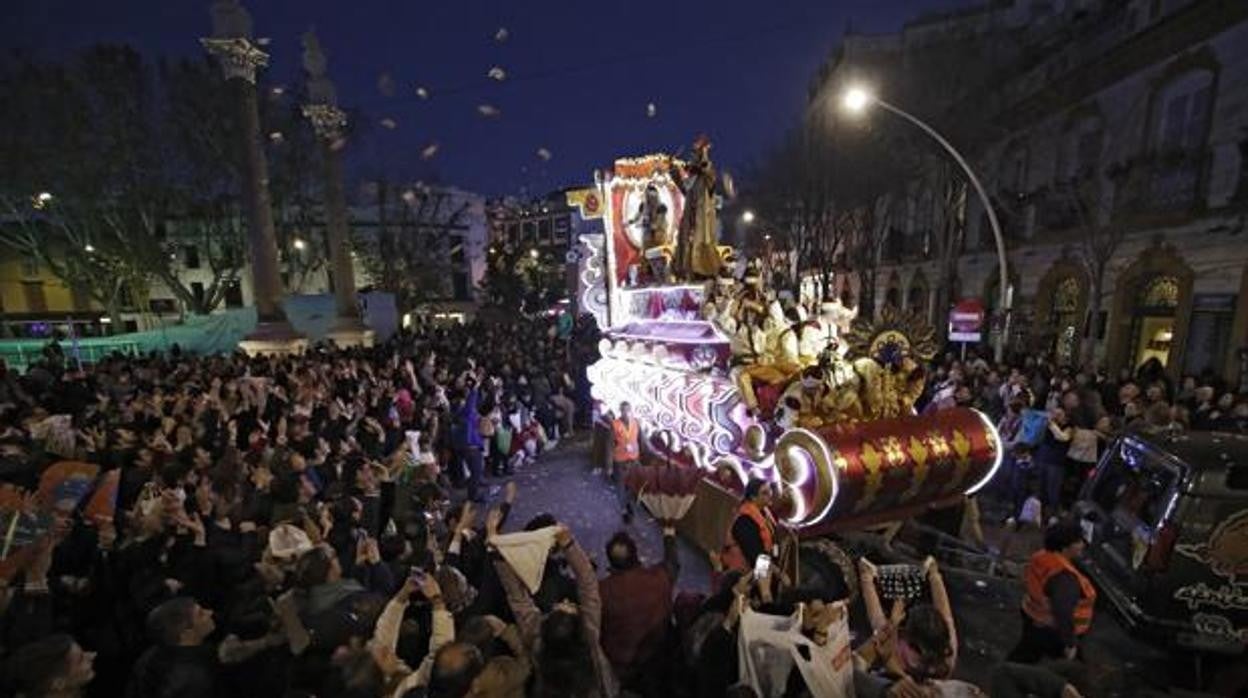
(863, 470)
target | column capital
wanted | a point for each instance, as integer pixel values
(327, 120)
(240, 57)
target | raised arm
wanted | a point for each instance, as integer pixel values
(586, 581)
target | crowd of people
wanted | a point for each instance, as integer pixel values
(1056, 421)
(326, 525)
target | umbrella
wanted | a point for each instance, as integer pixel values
(667, 491)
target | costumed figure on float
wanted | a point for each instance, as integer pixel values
(744, 387)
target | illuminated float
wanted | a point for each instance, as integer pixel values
(724, 378)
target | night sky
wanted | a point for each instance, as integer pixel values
(580, 74)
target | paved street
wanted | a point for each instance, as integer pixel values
(986, 607)
(561, 483)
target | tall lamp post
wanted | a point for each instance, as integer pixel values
(856, 100)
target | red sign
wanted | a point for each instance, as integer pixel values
(966, 320)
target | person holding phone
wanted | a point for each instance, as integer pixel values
(753, 532)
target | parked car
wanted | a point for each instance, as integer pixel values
(1166, 520)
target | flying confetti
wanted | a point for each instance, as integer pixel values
(429, 151)
(489, 111)
(410, 197)
(276, 137)
(651, 110)
(544, 154)
(338, 144)
(385, 84)
(389, 123)
(422, 93)
(730, 185)
(497, 73)
(501, 35)
(278, 90)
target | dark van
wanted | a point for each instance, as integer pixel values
(1166, 520)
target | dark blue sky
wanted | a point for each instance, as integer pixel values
(581, 73)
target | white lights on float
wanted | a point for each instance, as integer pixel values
(998, 457)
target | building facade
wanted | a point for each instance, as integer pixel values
(1111, 137)
(437, 236)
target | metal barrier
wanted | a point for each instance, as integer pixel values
(18, 355)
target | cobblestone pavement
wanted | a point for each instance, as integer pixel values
(562, 483)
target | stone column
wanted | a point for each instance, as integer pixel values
(240, 57)
(329, 122)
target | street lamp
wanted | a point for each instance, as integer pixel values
(747, 217)
(855, 100)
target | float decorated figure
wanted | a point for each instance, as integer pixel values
(651, 220)
(697, 250)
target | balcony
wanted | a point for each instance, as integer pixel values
(1163, 183)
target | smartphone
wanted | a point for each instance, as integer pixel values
(762, 567)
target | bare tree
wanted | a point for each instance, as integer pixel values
(412, 250)
(131, 150)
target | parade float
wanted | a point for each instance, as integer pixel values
(731, 377)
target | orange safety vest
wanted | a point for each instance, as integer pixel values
(625, 440)
(732, 557)
(1040, 569)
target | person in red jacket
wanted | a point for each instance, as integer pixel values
(636, 613)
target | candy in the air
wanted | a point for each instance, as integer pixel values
(497, 73)
(422, 93)
(544, 154)
(489, 111)
(385, 84)
(429, 151)
(501, 35)
(651, 110)
(389, 123)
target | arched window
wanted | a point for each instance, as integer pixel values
(1160, 293)
(1066, 296)
(1181, 110)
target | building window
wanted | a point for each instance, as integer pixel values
(163, 306)
(1084, 143)
(544, 236)
(1181, 113)
(36, 301)
(30, 265)
(1012, 173)
(1161, 292)
(79, 297)
(191, 255)
(234, 294)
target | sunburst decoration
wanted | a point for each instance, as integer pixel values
(894, 334)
